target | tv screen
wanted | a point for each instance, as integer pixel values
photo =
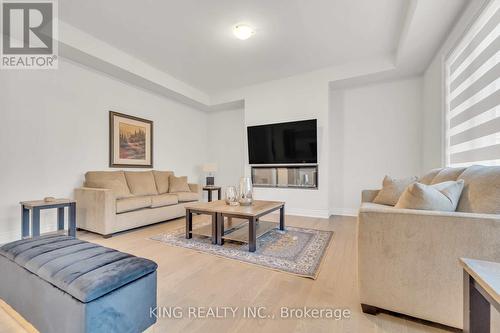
(283, 143)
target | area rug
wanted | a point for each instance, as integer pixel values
(297, 251)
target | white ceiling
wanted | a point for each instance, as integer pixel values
(192, 39)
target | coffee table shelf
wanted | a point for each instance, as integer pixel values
(206, 230)
(241, 234)
(237, 231)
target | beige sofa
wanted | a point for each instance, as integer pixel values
(408, 259)
(114, 201)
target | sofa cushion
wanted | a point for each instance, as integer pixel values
(161, 200)
(178, 184)
(429, 176)
(447, 174)
(141, 182)
(481, 190)
(113, 180)
(442, 196)
(161, 180)
(132, 203)
(84, 270)
(187, 196)
(392, 190)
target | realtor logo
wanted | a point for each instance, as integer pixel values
(28, 35)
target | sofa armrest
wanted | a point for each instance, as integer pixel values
(408, 259)
(368, 195)
(96, 209)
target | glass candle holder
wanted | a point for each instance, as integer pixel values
(231, 196)
(246, 191)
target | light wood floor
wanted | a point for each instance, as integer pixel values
(189, 278)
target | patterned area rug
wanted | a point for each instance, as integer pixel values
(297, 251)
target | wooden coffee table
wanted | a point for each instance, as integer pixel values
(220, 210)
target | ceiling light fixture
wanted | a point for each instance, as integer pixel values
(243, 31)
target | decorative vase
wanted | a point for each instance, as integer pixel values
(231, 196)
(246, 191)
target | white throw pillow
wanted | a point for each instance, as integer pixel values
(442, 196)
(392, 190)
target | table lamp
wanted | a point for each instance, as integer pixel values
(209, 169)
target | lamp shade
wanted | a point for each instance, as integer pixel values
(210, 167)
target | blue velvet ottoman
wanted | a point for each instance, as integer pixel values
(62, 284)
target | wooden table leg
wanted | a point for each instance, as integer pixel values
(220, 229)
(214, 228)
(252, 240)
(60, 218)
(282, 218)
(71, 219)
(35, 227)
(189, 224)
(25, 218)
(476, 308)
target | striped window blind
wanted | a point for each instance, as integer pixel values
(472, 74)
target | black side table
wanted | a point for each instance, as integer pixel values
(210, 188)
(37, 205)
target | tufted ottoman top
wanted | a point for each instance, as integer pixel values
(84, 270)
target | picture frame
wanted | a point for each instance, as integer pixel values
(130, 141)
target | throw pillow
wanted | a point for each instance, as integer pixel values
(392, 190)
(442, 196)
(178, 184)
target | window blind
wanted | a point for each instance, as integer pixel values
(472, 76)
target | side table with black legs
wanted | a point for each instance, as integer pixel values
(481, 294)
(210, 188)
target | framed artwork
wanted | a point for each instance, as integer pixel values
(130, 141)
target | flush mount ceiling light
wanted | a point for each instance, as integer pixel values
(243, 31)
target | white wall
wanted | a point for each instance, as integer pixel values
(55, 128)
(226, 145)
(374, 130)
(296, 98)
(299, 97)
(432, 117)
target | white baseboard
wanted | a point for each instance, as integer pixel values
(320, 213)
(344, 211)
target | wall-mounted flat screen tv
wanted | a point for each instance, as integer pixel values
(283, 143)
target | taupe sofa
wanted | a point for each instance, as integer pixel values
(114, 201)
(408, 259)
